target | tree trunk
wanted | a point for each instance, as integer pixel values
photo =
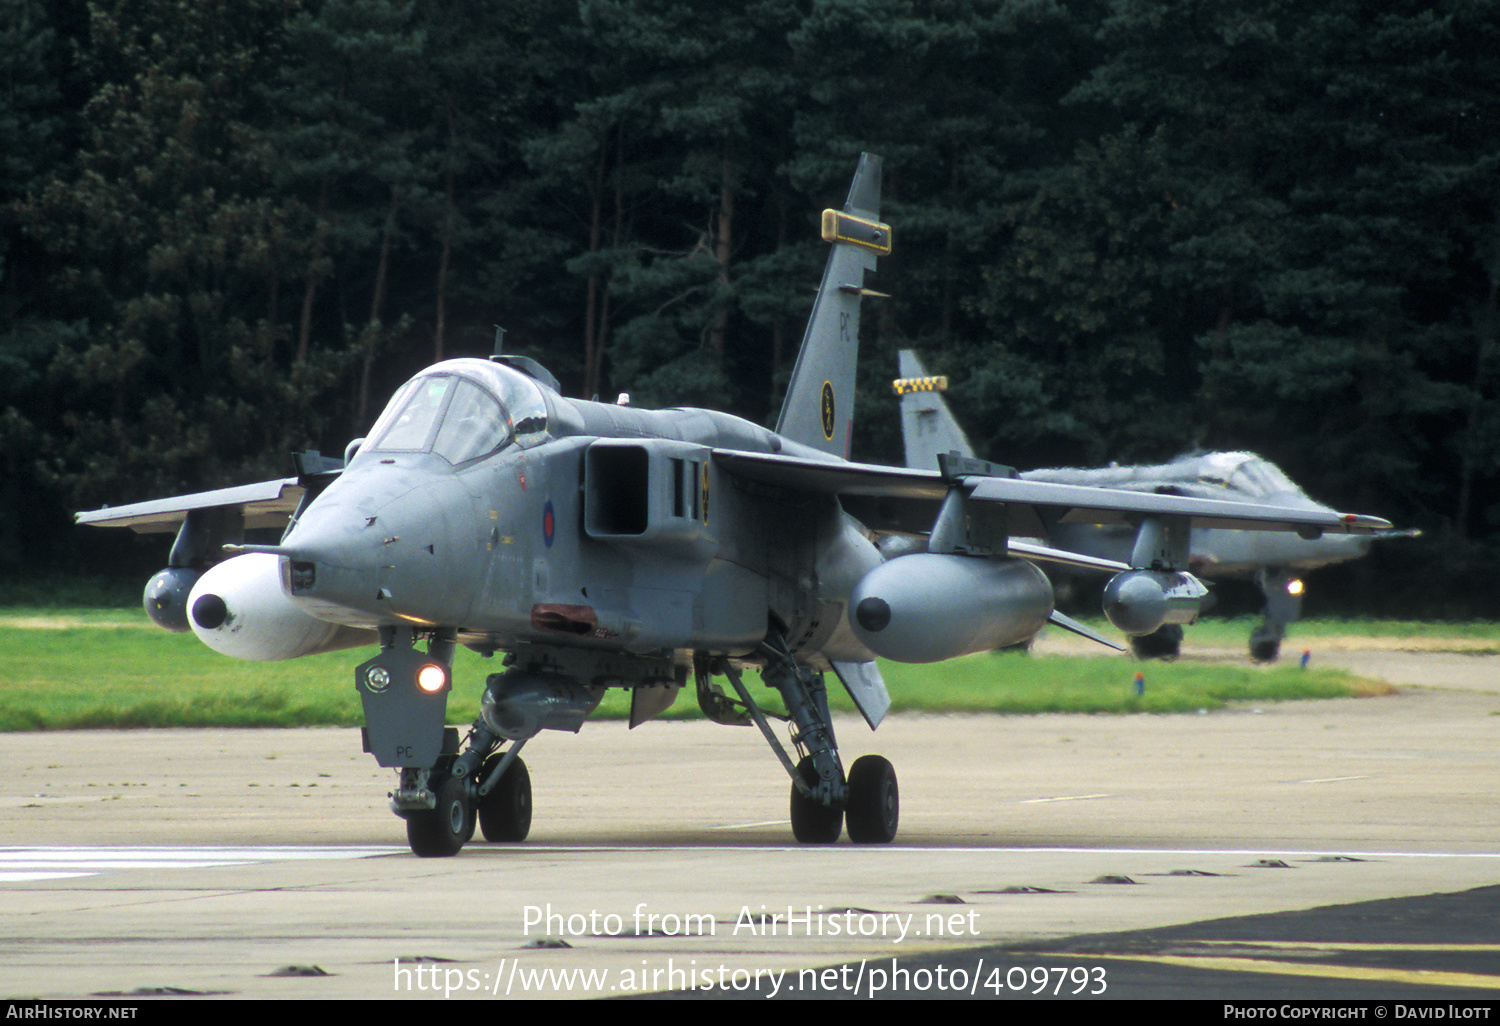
(377, 304)
(591, 319)
(723, 247)
(304, 328)
(1485, 323)
(440, 328)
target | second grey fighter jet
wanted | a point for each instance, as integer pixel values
(594, 546)
(1275, 562)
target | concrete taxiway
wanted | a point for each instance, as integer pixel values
(263, 863)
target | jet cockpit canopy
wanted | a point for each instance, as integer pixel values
(1245, 473)
(461, 410)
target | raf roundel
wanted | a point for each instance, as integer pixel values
(549, 523)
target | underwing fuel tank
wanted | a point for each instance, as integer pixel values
(239, 609)
(166, 598)
(928, 607)
(519, 705)
(1140, 601)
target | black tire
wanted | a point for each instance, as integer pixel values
(1265, 645)
(1163, 643)
(812, 821)
(874, 809)
(505, 813)
(442, 832)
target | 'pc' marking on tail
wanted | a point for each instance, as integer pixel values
(819, 407)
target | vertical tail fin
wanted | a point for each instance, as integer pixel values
(819, 407)
(927, 425)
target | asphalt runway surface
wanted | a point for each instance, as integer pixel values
(1339, 849)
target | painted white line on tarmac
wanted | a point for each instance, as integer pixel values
(1063, 798)
(21, 864)
(880, 850)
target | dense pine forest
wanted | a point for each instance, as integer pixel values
(1124, 228)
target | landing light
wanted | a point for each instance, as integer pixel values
(1294, 587)
(432, 678)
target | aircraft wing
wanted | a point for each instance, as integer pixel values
(905, 501)
(887, 498)
(1080, 504)
(264, 504)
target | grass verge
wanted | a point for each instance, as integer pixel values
(1479, 637)
(90, 668)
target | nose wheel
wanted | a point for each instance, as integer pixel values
(505, 813)
(442, 831)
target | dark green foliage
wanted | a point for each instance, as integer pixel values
(1123, 227)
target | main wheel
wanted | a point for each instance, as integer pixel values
(812, 821)
(505, 813)
(1163, 643)
(1265, 644)
(440, 832)
(874, 801)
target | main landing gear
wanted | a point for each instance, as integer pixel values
(823, 800)
(496, 798)
(1283, 592)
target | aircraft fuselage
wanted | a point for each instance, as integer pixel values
(607, 526)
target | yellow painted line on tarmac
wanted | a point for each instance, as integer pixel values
(1349, 945)
(1429, 978)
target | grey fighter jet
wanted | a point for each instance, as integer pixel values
(1276, 562)
(600, 546)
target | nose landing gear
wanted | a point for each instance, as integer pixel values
(497, 799)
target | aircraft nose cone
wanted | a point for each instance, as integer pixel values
(379, 544)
